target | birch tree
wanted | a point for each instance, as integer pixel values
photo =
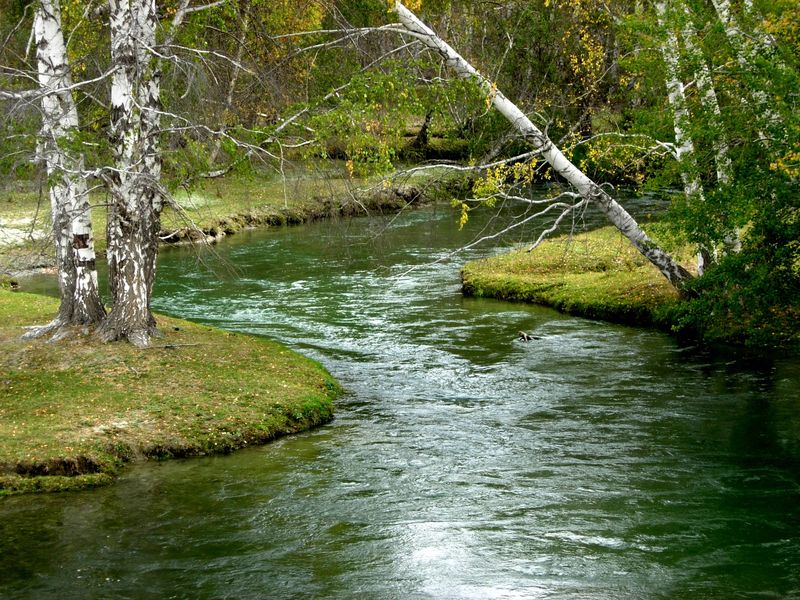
(710, 103)
(541, 144)
(69, 200)
(134, 217)
(137, 195)
(684, 144)
(709, 100)
(747, 49)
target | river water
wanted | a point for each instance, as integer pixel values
(599, 462)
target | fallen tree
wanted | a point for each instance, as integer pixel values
(588, 190)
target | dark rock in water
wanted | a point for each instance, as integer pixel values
(526, 337)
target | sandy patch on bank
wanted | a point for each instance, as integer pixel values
(13, 233)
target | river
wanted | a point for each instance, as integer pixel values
(599, 462)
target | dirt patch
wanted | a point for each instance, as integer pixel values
(13, 236)
(64, 467)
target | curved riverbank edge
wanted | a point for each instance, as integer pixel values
(597, 275)
(182, 227)
(73, 413)
(375, 201)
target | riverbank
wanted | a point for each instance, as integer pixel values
(600, 275)
(597, 274)
(74, 412)
(214, 208)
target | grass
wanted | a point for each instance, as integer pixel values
(212, 208)
(597, 274)
(72, 413)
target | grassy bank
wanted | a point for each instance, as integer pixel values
(600, 275)
(212, 208)
(596, 274)
(218, 208)
(72, 413)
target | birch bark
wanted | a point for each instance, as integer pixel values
(150, 105)
(69, 202)
(588, 189)
(747, 48)
(676, 95)
(134, 215)
(708, 98)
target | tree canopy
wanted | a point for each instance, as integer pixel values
(696, 95)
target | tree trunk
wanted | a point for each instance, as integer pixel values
(708, 98)
(684, 145)
(136, 198)
(747, 48)
(69, 202)
(150, 103)
(588, 189)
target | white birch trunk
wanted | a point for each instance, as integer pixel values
(684, 145)
(747, 48)
(708, 97)
(150, 103)
(588, 189)
(72, 227)
(133, 220)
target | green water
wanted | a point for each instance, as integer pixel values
(600, 462)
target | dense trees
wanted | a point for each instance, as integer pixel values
(140, 96)
(587, 189)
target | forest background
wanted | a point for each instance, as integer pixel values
(699, 98)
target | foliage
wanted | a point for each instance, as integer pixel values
(588, 72)
(746, 299)
(368, 123)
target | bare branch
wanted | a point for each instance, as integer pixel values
(36, 94)
(334, 92)
(23, 95)
(193, 9)
(565, 207)
(171, 57)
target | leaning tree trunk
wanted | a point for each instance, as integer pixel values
(588, 189)
(72, 226)
(134, 215)
(681, 120)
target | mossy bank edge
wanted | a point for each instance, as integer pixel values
(74, 412)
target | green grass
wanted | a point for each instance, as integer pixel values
(73, 412)
(211, 208)
(597, 274)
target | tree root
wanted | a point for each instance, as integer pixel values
(139, 337)
(59, 329)
(37, 331)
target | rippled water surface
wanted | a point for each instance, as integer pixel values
(598, 462)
